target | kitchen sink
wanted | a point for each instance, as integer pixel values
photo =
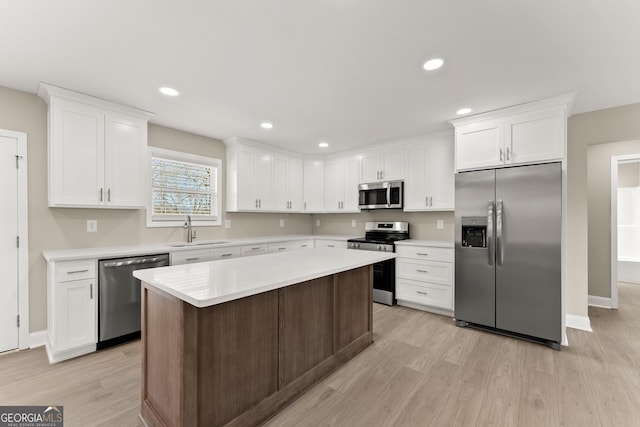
(202, 243)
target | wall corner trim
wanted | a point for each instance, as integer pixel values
(602, 302)
(579, 322)
(37, 339)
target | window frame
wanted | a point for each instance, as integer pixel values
(180, 156)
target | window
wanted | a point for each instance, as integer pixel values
(183, 184)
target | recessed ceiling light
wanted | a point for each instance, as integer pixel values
(433, 64)
(463, 111)
(169, 91)
(323, 144)
(266, 125)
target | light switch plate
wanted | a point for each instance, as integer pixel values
(353, 222)
(440, 224)
(92, 225)
(317, 223)
(282, 223)
(227, 223)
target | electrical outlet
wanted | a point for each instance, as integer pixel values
(440, 224)
(282, 223)
(227, 223)
(353, 222)
(317, 223)
(92, 226)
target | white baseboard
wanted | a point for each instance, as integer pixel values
(579, 322)
(602, 302)
(37, 339)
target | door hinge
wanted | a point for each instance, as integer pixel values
(18, 322)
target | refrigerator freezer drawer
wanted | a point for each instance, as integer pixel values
(438, 272)
(431, 294)
(425, 253)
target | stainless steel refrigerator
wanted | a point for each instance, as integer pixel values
(508, 239)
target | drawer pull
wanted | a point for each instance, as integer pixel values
(422, 293)
(304, 246)
(422, 271)
(226, 255)
(281, 249)
(255, 249)
(193, 259)
(422, 254)
(331, 246)
(77, 271)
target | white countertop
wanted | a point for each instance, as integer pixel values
(210, 283)
(157, 248)
(430, 243)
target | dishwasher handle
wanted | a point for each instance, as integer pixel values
(135, 261)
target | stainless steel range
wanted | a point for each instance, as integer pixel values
(381, 236)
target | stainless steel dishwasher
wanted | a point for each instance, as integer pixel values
(119, 297)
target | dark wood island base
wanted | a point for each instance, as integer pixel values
(239, 362)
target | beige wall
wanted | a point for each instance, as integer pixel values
(629, 174)
(603, 126)
(599, 191)
(62, 228)
(422, 224)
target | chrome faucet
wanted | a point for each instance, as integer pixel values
(191, 234)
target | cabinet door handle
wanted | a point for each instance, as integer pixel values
(422, 293)
(226, 255)
(426, 200)
(431, 201)
(256, 203)
(501, 155)
(421, 254)
(193, 259)
(259, 203)
(101, 197)
(108, 195)
(422, 271)
(305, 206)
(508, 153)
(90, 290)
(77, 271)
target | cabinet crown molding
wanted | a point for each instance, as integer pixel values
(46, 91)
(563, 101)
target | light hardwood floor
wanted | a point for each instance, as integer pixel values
(422, 370)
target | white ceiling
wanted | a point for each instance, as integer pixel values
(345, 71)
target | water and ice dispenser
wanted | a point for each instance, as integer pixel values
(474, 232)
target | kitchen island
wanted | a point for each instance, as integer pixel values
(233, 341)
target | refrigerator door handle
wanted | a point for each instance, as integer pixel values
(499, 242)
(490, 232)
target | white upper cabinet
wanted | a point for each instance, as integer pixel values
(96, 151)
(528, 133)
(259, 179)
(313, 186)
(429, 183)
(382, 165)
(341, 185)
(288, 186)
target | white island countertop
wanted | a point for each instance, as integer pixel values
(215, 282)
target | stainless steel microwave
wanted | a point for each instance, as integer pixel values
(381, 195)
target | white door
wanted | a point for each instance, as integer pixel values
(8, 244)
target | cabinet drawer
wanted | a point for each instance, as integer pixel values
(75, 270)
(426, 253)
(290, 246)
(225, 253)
(439, 272)
(320, 243)
(189, 257)
(251, 250)
(425, 293)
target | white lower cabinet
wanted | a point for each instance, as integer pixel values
(321, 243)
(72, 309)
(290, 246)
(251, 250)
(424, 277)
